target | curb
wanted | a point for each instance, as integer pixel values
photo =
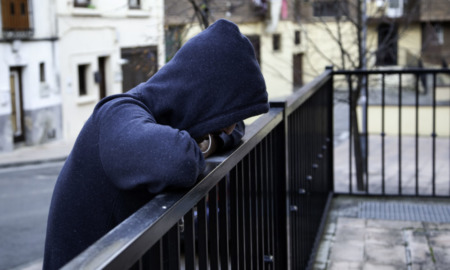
(31, 162)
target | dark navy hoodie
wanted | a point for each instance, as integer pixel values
(137, 144)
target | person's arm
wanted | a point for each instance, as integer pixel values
(137, 151)
(226, 142)
(213, 143)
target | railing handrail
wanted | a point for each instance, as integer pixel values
(393, 71)
(132, 237)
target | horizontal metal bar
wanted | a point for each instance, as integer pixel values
(393, 71)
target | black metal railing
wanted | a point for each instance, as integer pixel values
(403, 125)
(261, 206)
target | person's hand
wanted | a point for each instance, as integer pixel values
(208, 145)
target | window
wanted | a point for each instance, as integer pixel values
(134, 4)
(394, 4)
(15, 15)
(297, 37)
(139, 64)
(276, 42)
(81, 3)
(42, 72)
(438, 33)
(256, 42)
(330, 8)
(82, 79)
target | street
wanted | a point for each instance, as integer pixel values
(25, 194)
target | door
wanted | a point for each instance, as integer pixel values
(298, 71)
(387, 45)
(17, 117)
(256, 42)
(102, 76)
(140, 64)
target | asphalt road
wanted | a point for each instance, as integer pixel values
(25, 194)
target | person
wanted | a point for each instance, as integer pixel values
(150, 139)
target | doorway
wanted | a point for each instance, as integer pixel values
(140, 64)
(17, 115)
(102, 76)
(387, 45)
(298, 70)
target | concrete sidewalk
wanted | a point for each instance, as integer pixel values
(49, 152)
(416, 242)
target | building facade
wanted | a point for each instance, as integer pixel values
(59, 58)
(270, 26)
(106, 47)
(30, 97)
(399, 33)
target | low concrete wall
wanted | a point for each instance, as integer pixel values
(43, 125)
(408, 114)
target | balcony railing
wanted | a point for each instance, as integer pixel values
(258, 207)
(263, 205)
(404, 127)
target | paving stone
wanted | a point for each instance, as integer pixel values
(351, 251)
(351, 222)
(330, 228)
(420, 253)
(418, 247)
(345, 234)
(320, 266)
(439, 239)
(371, 266)
(343, 265)
(323, 251)
(441, 257)
(385, 255)
(393, 224)
(423, 267)
(382, 236)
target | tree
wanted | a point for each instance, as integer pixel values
(342, 13)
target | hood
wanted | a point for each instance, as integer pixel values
(212, 82)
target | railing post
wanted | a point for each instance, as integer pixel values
(283, 256)
(330, 131)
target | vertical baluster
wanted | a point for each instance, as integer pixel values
(171, 249)
(271, 215)
(224, 213)
(255, 210)
(367, 133)
(382, 134)
(433, 177)
(417, 134)
(202, 234)
(213, 222)
(400, 90)
(261, 203)
(155, 255)
(189, 240)
(350, 111)
(242, 216)
(248, 211)
(234, 218)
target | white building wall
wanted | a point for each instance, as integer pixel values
(89, 33)
(41, 101)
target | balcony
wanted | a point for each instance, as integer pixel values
(264, 205)
(17, 19)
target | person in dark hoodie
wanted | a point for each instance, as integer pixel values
(137, 144)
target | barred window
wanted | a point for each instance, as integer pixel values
(330, 8)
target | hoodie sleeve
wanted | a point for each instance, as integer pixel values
(135, 150)
(226, 142)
